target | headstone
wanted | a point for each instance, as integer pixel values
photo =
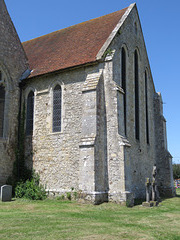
(148, 185)
(155, 192)
(154, 183)
(6, 193)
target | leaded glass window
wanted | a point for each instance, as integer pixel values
(2, 104)
(30, 113)
(57, 109)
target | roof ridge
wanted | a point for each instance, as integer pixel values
(72, 46)
(113, 33)
(56, 31)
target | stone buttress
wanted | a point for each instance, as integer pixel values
(93, 179)
(163, 157)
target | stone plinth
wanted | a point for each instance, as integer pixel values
(147, 204)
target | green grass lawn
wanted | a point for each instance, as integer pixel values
(53, 219)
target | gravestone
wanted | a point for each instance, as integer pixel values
(148, 184)
(155, 192)
(6, 193)
(154, 195)
(148, 190)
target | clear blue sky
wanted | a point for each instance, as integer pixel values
(160, 21)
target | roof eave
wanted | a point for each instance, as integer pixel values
(61, 70)
(114, 32)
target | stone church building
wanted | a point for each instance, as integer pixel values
(94, 121)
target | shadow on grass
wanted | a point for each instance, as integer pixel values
(138, 201)
(12, 199)
(141, 200)
(177, 196)
(178, 193)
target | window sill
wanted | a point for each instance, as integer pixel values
(55, 133)
(28, 136)
(119, 89)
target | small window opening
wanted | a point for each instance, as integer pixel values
(135, 27)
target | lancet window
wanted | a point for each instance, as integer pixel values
(146, 107)
(30, 113)
(136, 83)
(57, 97)
(2, 106)
(123, 76)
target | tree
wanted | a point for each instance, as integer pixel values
(176, 171)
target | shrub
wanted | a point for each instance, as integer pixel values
(75, 195)
(68, 194)
(20, 190)
(30, 189)
(60, 197)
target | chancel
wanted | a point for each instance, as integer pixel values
(93, 119)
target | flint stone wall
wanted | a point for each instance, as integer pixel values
(132, 160)
(13, 63)
(58, 157)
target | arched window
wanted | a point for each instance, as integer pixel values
(2, 104)
(30, 113)
(146, 107)
(57, 109)
(136, 83)
(123, 78)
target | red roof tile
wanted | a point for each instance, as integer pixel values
(72, 46)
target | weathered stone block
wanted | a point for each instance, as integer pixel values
(154, 203)
(147, 204)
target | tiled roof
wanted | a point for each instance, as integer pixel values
(72, 46)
